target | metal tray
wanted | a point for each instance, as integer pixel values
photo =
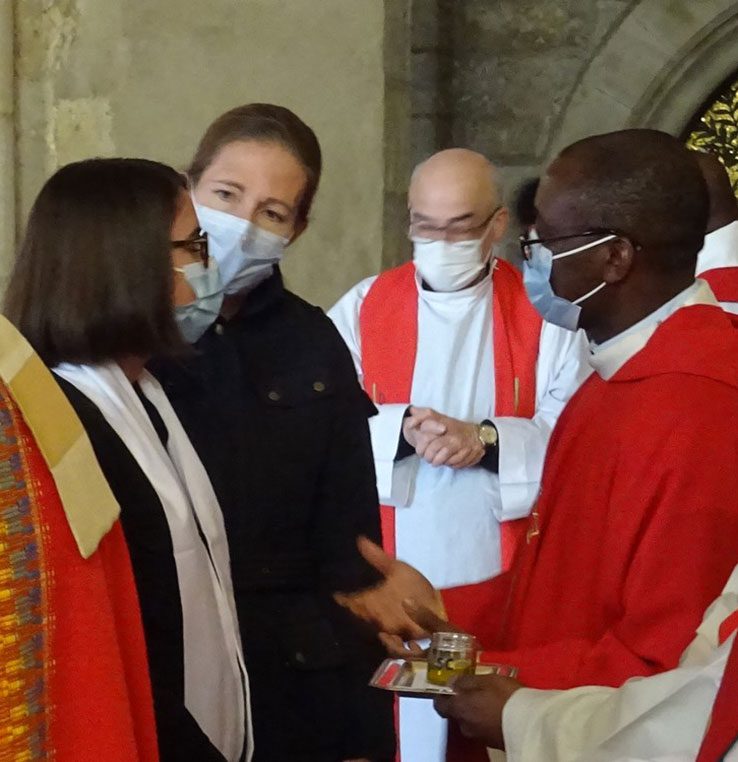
(408, 678)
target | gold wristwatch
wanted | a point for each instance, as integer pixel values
(487, 433)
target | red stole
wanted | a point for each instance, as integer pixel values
(388, 324)
(76, 656)
(722, 732)
(723, 282)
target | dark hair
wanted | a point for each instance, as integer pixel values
(93, 280)
(646, 184)
(269, 124)
(524, 205)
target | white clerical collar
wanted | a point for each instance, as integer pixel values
(720, 249)
(607, 358)
(468, 294)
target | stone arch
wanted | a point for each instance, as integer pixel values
(655, 69)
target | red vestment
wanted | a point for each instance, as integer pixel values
(74, 682)
(389, 331)
(636, 527)
(723, 282)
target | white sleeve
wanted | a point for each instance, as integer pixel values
(663, 716)
(655, 718)
(395, 479)
(562, 367)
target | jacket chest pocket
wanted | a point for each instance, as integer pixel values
(299, 389)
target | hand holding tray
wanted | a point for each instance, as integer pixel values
(409, 678)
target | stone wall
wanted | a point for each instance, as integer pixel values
(383, 82)
(136, 77)
(517, 79)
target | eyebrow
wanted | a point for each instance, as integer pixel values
(272, 200)
(266, 202)
(231, 184)
(460, 218)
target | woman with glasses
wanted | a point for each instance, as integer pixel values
(270, 400)
(112, 247)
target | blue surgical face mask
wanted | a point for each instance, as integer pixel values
(537, 279)
(246, 254)
(197, 316)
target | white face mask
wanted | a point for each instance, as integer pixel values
(448, 266)
(245, 253)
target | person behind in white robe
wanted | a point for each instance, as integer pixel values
(717, 263)
(453, 470)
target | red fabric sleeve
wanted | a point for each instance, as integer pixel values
(678, 481)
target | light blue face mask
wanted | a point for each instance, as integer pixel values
(245, 253)
(196, 317)
(537, 280)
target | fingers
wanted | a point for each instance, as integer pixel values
(399, 649)
(433, 426)
(422, 413)
(441, 457)
(444, 705)
(427, 620)
(439, 450)
(374, 555)
(469, 683)
(466, 457)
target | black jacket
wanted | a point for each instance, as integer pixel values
(271, 402)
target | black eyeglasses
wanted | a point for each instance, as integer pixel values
(197, 246)
(526, 244)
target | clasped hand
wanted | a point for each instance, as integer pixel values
(441, 440)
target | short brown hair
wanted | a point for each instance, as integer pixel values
(93, 280)
(267, 123)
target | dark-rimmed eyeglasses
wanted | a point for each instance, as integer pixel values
(197, 246)
(527, 244)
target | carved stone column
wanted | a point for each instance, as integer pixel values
(7, 140)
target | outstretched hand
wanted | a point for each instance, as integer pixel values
(427, 621)
(383, 605)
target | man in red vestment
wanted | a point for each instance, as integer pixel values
(686, 713)
(717, 263)
(74, 682)
(635, 528)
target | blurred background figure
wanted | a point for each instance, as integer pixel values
(717, 263)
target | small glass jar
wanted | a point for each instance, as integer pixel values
(451, 654)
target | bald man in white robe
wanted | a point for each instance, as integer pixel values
(468, 382)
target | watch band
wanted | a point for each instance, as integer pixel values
(487, 444)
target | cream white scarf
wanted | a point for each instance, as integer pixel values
(215, 680)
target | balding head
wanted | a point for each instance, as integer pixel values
(453, 179)
(457, 189)
(723, 204)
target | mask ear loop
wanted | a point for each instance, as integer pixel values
(579, 249)
(586, 246)
(591, 293)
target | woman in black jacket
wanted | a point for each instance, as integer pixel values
(271, 402)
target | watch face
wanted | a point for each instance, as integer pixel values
(488, 434)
